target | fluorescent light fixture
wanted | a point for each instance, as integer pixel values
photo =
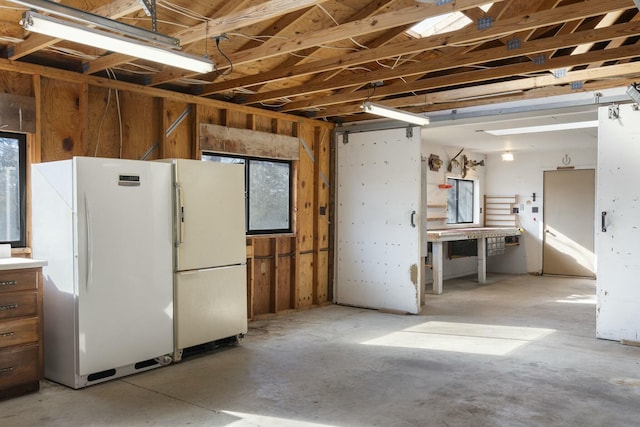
(60, 29)
(92, 19)
(637, 2)
(394, 113)
(544, 128)
(507, 157)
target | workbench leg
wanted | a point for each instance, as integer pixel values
(482, 260)
(436, 250)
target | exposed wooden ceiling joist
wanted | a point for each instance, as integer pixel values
(320, 57)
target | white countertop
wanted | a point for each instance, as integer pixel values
(14, 263)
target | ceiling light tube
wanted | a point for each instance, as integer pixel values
(394, 113)
(60, 29)
(544, 128)
(85, 17)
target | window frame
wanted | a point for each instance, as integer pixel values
(22, 181)
(455, 182)
(247, 183)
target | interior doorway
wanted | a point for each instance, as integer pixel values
(569, 209)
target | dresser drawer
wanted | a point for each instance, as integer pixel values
(16, 332)
(18, 280)
(18, 305)
(18, 366)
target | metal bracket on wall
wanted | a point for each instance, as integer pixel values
(345, 137)
(614, 112)
(409, 132)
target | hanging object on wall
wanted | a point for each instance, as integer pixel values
(453, 162)
(435, 162)
(469, 164)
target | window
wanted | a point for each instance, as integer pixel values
(13, 173)
(460, 201)
(267, 190)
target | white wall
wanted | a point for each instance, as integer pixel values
(457, 267)
(523, 177)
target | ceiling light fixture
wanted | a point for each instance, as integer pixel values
(394, 113)
(60, 29)
(84, 17)
(507, 157)
(544, 128)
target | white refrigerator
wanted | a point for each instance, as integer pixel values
(105, 228)
(210, 279)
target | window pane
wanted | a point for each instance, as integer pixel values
(465, 201)
(10, 190)
(460, 201)
(269, 184)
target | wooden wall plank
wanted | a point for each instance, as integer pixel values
(263, 270)
(103, 131)
(177, 143)
(223, 139)
(305, 281)
(61, 130)
(286, 252)
(140, 131)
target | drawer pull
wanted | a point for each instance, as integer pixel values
(7, 369)
(8, 282)
(8, 307)
(8, 334)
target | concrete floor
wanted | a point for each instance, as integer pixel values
(518, 351)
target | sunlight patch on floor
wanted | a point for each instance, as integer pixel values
(493, 340)
(579, 299)
(246, 419)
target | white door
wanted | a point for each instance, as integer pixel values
(378, 262)
(211, 221)
(569, 207)
(618, 228)
(125, 286)
(210, 305)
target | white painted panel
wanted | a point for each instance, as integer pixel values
(618, 248)
(378, 250)
(568, 222)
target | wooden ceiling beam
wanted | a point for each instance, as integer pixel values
(470, 77)
(228, 22)
(372, 24)
(114, 10)
(369, 10)
(457, 61)
(464, 36)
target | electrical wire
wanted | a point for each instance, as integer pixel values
(230, 69)
(112, 75)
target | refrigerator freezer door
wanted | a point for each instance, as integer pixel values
(125, 311)
(212, 227)
(210, 305)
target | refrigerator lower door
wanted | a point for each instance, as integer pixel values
(210, 304)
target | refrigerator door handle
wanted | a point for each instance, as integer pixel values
(179, 215)
(89, 265)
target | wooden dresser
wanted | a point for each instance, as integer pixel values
(21, 349)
